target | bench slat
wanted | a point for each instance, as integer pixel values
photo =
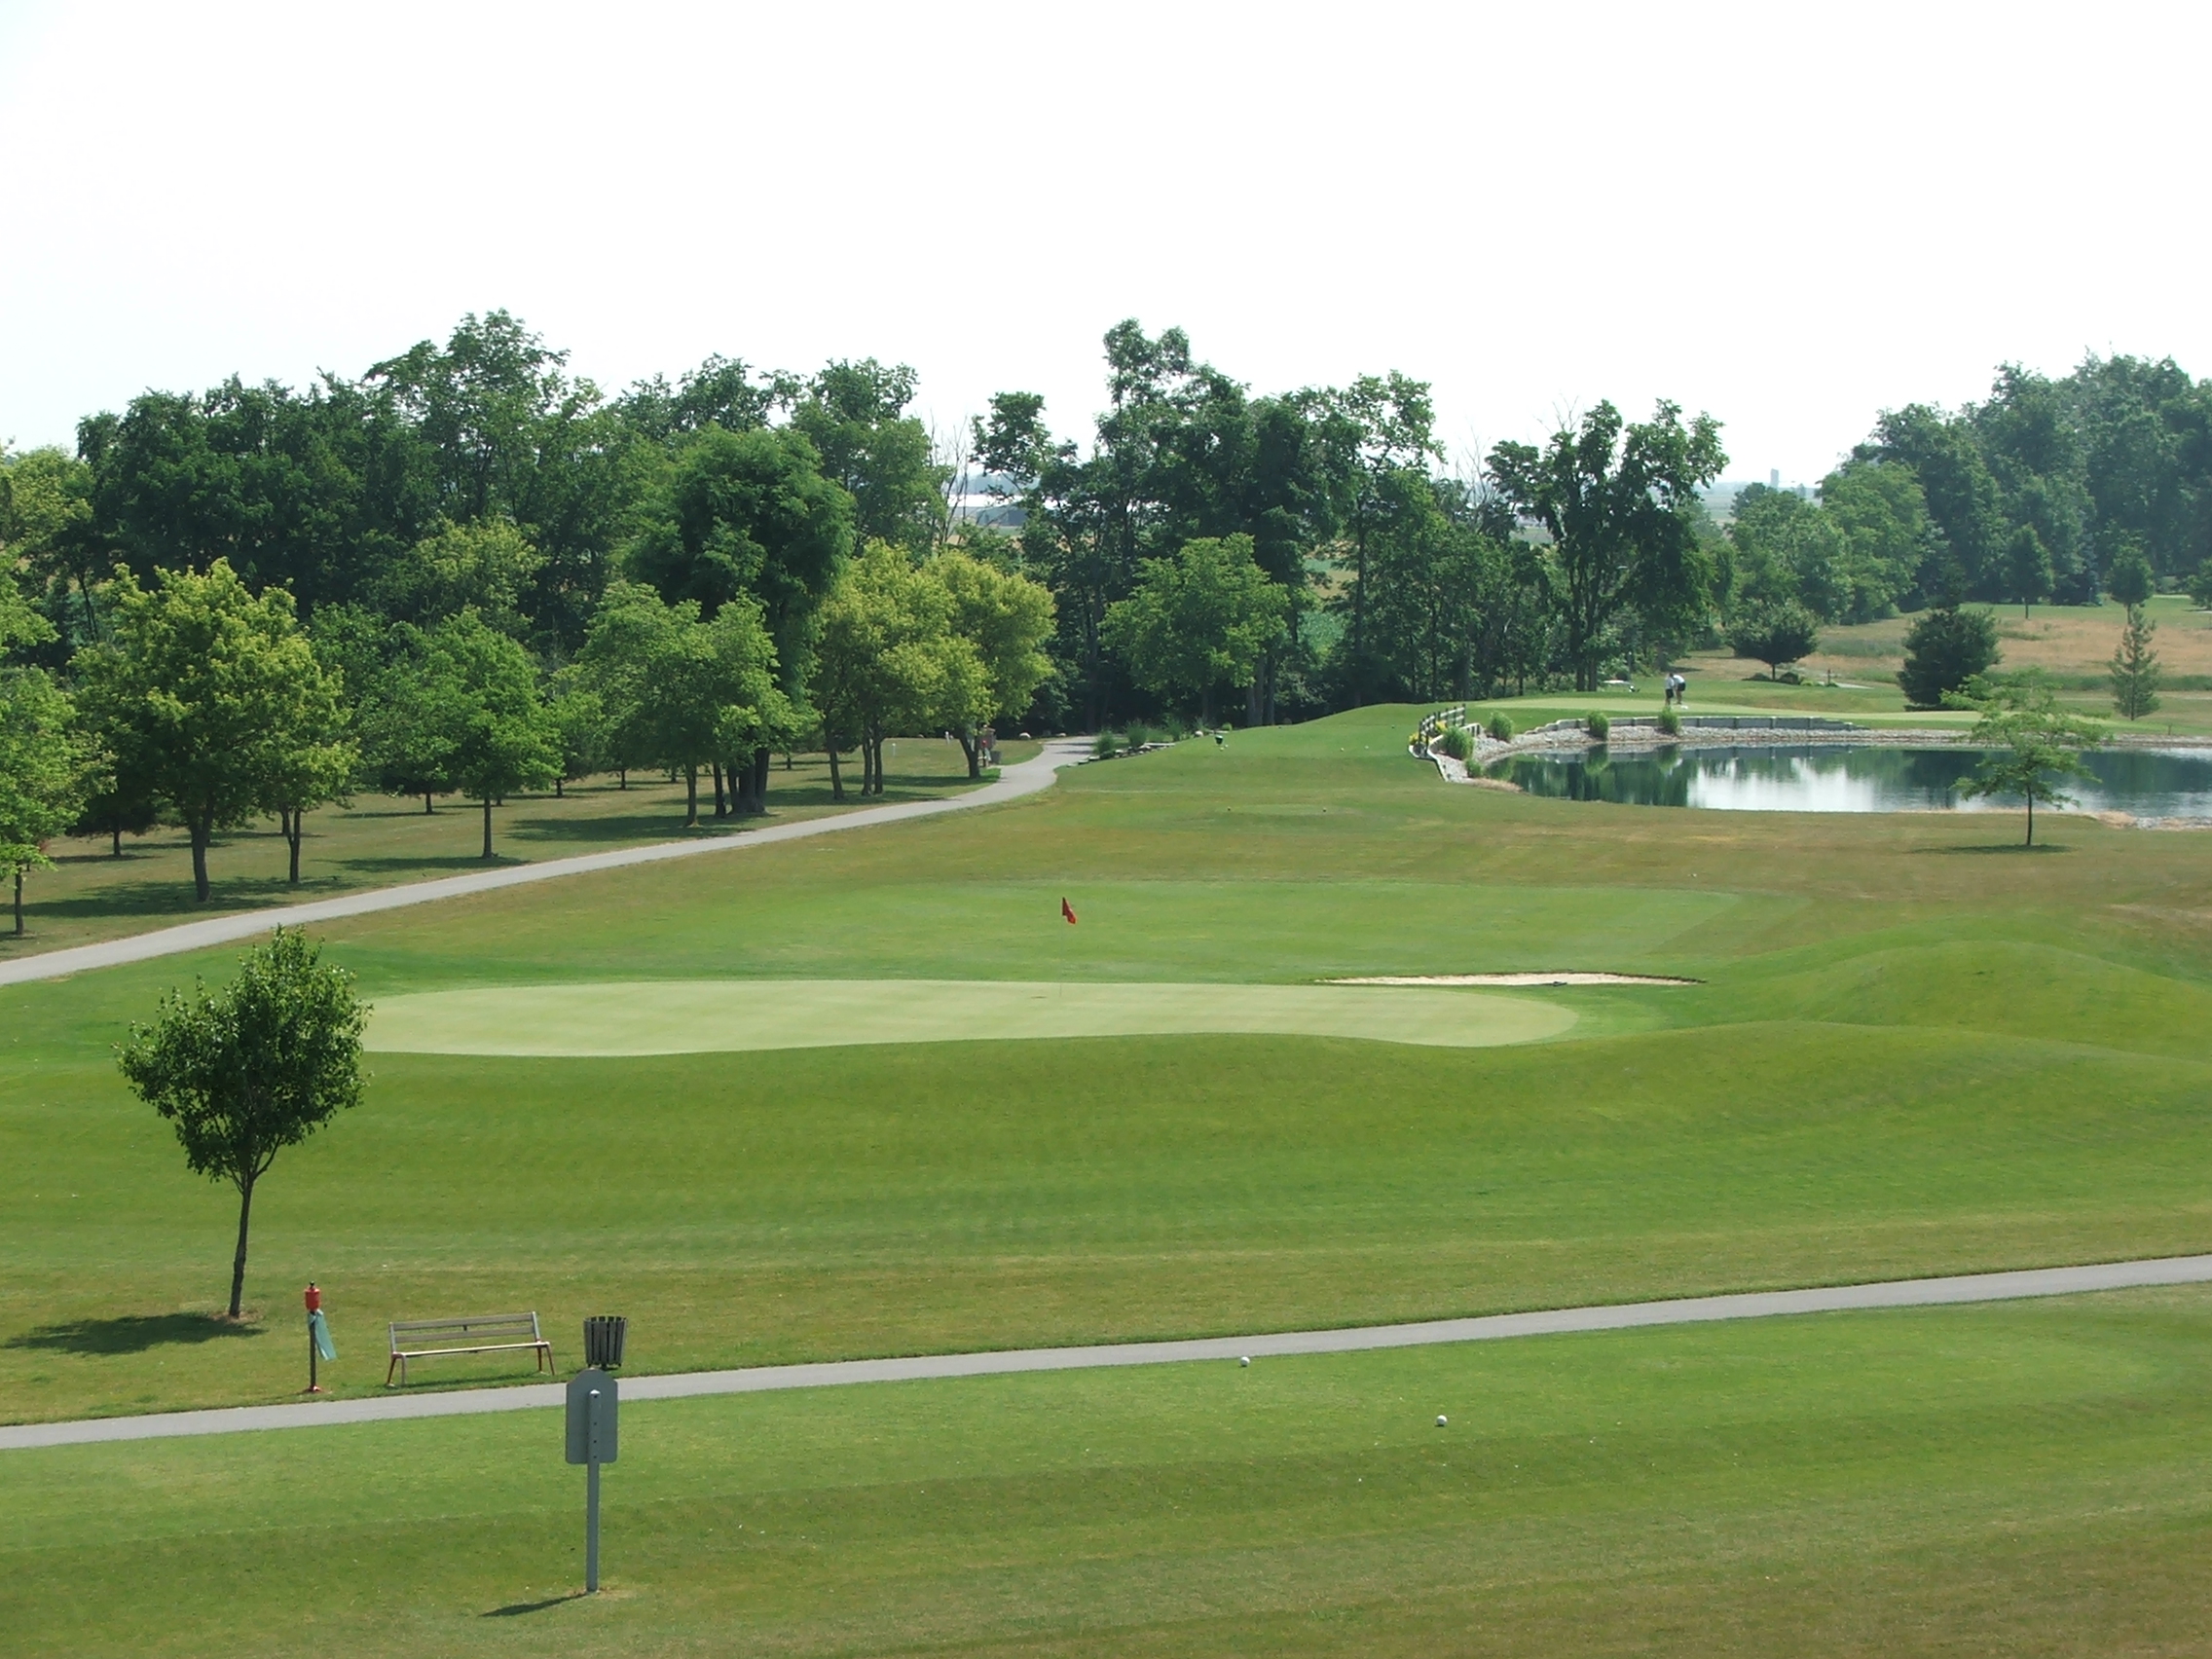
(414, 1339)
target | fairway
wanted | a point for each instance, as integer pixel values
(1837, 1485)
(869, 1095)
(687, 1016)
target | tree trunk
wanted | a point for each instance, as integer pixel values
(238, 1261)
(760, 760)
(202, 830)
(294, 831)
(692, 797)
(974, 760)
(486, 826)
(115, 837)
(622, 773)
(18, 901)
(2031, 818)
(721, 803)
(428, 809)
(557, 795)
(837, 778)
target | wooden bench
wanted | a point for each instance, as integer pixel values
(487, 1333)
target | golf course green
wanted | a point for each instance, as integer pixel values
(870, 1095)
(690, 1016)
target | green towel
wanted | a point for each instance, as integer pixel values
(319, 1329)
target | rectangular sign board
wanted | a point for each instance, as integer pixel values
(592, 1421)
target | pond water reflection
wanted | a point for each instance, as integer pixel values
(2149, 783)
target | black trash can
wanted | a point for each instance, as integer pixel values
(602, 1340)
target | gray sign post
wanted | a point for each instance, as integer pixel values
(593, 1420)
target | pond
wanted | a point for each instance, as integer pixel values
(2148, 782)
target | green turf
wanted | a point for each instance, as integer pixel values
(1915, 1048)
(1916, 1051)
(691, 1017)
(2021, 1479)
(97, 892)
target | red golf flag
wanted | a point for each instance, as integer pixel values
(1067, 910)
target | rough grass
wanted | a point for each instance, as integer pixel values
(2024, 1478)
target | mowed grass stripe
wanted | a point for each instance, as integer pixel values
(685, 1016)
(1848, 1483)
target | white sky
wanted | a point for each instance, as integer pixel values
(1789, 215)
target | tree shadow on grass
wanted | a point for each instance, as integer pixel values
(1999, 849)
(131, 1333)
(173, 897)
(442, 863)
(637, 828)
(515, 1609)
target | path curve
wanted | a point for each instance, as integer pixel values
(1024, 778)
(1618, 1316)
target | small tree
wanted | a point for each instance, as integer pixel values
(2131, 580)
(250, 1069)
(2200, 586)
(45, 762)
(2135, 668)
(504, 740)
(2027, 568)
(1198, 620)
(1776, 635)
(580, 716)
(1943, 650)
(310, 764)
(2031, 742)
(202, 697)
(1008, 618)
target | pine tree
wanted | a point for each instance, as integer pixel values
(2135, 669)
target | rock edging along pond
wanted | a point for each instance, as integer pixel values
(2163, 785)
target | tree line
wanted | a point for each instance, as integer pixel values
(468, 571)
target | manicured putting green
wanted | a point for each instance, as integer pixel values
(684, 1016)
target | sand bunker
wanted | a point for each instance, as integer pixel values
(1570, 978)
(684, 1016)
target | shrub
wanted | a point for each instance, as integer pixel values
(1139, 736)
(2131, 580)
(1943, 651)
(1670, 722)
(1106, 745)
(1455, 741)
(2200, 586)
(1600, 727)
(1776, 635)
(1501, 728)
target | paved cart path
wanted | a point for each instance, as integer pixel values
(1024, 778)
(1689, 1311)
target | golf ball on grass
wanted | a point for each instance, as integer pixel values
(1440, 1420)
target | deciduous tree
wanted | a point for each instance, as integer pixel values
(2032, 743)
(504, 739)
(1007, 618)
(206, 695)
(1200, 621)
(1616, 499)
(46, 764)
(246, 1071)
